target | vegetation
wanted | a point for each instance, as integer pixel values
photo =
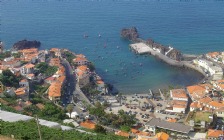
(28, 131)
(120, 120)
(125, 128)
(17, 55)
(5, 55)
(202, 116)
(9, 79)
(69, 56)
(69, 108)
(90, 90)
(52, 112)
(91, 67)
(46, 69)
(100, 129)
(41, 89)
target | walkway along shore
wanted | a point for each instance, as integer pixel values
(143, 48)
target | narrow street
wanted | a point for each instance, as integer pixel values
(72, 87)
(70, 83)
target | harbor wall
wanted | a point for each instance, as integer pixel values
(164, 58)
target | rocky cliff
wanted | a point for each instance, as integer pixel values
(130, 34)
(24, 44)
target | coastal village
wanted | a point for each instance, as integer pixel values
(33, 80)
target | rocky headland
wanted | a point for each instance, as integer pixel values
(25, 44)
(133, 35)
(130, 34)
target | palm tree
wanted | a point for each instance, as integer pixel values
(130, 101)
(69, 108)
(120, 97)
(139, 103)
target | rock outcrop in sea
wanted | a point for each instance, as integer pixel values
(130, 34)
(25, 44)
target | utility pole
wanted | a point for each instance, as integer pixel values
(38, 126)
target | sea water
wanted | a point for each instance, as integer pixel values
(192, 26)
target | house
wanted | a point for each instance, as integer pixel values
(41, 56)
(12, 63)
(30, 76)
(60, 71)
(220, 112)
(29, 55)
(199, 91)
(88, 124)
(22, 93)
(204, 101)
(24, 83)
(55, 62)
(56, 51)
(162, 136)
(155, 123)
(215, 105)
(83, 76)
(177, 106)
(179, 94)
(196, 106)
(27, 69)
(80, 60)
(54, 91)
(214, 134)
(50, 80)
(213, 56)
(122, 133)
(210, 67)
(101, 86)
(218, 82)
(9, 59)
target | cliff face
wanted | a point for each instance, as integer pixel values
(24, 44)
(130, 34)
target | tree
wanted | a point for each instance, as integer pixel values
(99, 129)
(139, 103)
(91, 67)
(69, 108)
(125, 128)
(130, 101)
(9, 79)
(120, 97)
(46, 69)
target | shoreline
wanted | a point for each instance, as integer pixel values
(143, 48)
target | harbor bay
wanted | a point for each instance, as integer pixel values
(128, 72)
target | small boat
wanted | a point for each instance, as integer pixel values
(99, 35)
(85, 36)
(106, 70)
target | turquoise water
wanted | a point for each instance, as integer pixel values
(191, 26)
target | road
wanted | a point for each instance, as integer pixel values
(70, 82)
(73, 88)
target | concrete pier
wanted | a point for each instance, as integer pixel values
(142, 48)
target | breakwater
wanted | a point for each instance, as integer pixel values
(143, 48)
(167, 54)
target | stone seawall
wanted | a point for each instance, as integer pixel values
(138, 47)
